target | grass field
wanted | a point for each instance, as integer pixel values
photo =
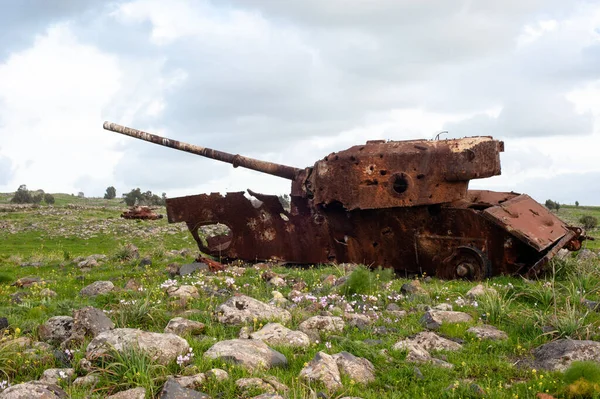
(46, 241)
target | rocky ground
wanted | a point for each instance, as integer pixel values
(142, 320)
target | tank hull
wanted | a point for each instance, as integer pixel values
(485, 234)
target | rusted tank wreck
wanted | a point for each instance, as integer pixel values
(399, 204)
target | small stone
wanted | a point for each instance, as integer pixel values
(559, 354)
(145, 261)
(357, 368)
(27, 282)
(392, 307)
(433, 319)
(97, 288)
(480, 290)
(132, 285)
(277, 282)
(488, 332)
(413, 288)
(242, 309)
(3, 323)
(89, 322)
(358, 320)
(245, 332)
(249, 353)
(86, 380)
(135, 393)
(254, 384)
(276, 334)
(55, 376)
(418, 374)
(172, 269)
(217, 374)
(431, 341)
(443, 306)
(190, 268)
(323, 368)
(329, 280)
(192, 382)
(316, 325)
(172, 390)
(181, 326)
(56, 329)
(17, 297)
(299, 286)
(183, 292)
(34, 390)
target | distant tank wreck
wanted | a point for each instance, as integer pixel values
(399, 204)
(140, 212)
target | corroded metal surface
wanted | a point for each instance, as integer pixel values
(399, 204)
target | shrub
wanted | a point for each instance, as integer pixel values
(22, 196)
(552, 205)
(588, 222)
(136, 197)
(364, 281)
(49, 199)
(111, 193)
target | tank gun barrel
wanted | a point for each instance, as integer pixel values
(287, 172)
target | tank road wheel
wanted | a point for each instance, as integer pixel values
(467, 263)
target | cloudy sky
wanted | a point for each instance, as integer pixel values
(290, 81)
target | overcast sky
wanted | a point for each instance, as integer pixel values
(291, 81)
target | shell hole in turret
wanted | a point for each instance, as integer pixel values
(399, 184)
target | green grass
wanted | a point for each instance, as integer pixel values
(51, 238)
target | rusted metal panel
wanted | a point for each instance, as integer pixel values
(528, 220)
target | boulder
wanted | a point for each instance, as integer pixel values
(316, 325)
(89, 322)
(323, 368)
(357, 368)
(241, 309)
(559, 354)
(97, 288)
(56, 329)
(135, 393)
(358, 320)
(249, 353)
(162, 348)
(181, 326)
(433, 319)
(33, 390)
(488, 332)
(413, 288)
(276, 334)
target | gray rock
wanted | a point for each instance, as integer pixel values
(316, 325)
(172, 390)
(135, 393)
(181, 326)
(3, 323)
(413, 288)
(249, 353)
(392, 307)
(162, 348)
(418, 354)
(189, 268)
(183, 292)
(433, 319)
(480, 290)
(54, 376)
(33, 390)
(443, 306)
(558, 355)
(192, 381)
(89, 322)
(358, 320)
(357, 368)
(562, 254)
(488, 332)
(586, 254)
(323, 368)
(247, 385)
(268, 396)
(56, 329)
(97, 288)
(25, 282)
(277, 282)
(86, 380)
(242, 309)
(432, 342)
(87, 264)
(276, 334)
(217, 374)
